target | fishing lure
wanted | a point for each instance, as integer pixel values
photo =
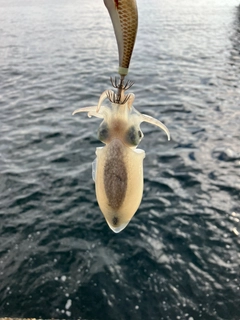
(118, 168)
(124, 16)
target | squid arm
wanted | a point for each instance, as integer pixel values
(90, 110)
(156, 122)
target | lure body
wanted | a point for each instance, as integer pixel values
(124, 16)
(119, 165)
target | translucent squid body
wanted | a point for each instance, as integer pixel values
(118, 170)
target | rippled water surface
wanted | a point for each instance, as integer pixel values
(179, 256)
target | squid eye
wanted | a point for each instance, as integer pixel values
(133, 136)
(103, 132)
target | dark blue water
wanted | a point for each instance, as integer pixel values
(179, 256)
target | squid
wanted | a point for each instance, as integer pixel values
(118, 167)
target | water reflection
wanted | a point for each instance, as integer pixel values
(179, 257)
(236, 38)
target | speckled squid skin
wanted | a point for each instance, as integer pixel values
(124, 16)
(119, 183)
